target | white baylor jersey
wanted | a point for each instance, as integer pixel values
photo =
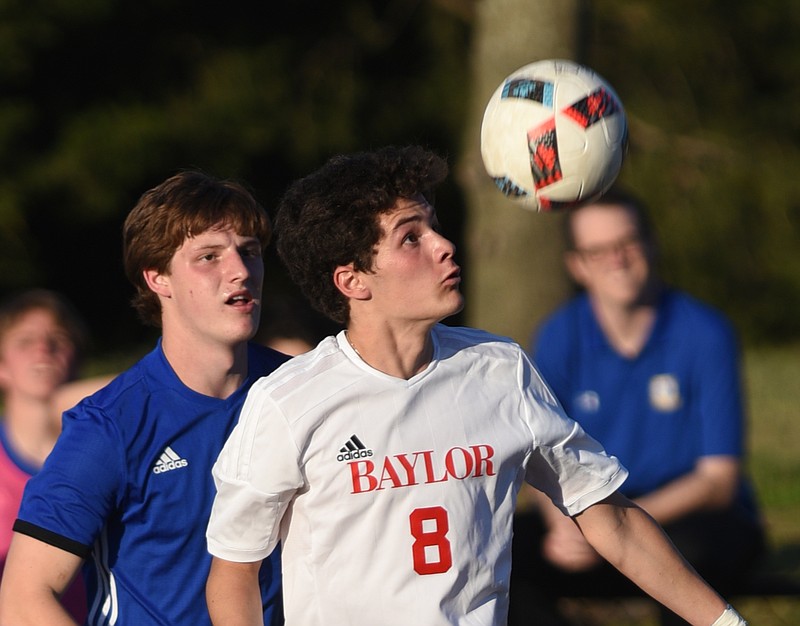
(393, 499)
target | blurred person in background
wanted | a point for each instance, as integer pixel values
(42, 339)
(654, 376)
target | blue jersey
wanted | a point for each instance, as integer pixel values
(128, 486)
(658, 412)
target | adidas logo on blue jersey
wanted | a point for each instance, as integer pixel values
(353, 449)
(169, 460)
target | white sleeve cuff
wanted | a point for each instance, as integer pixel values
(730, 617)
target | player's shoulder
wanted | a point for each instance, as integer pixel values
(687, 304)
(130, 382)
(111, 416)
(125, 395)
(299, 370)
(700, 318)
(478, 343)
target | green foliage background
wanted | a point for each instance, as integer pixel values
(710, 88)
(101, 99)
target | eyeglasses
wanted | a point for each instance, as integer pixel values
(631, 244)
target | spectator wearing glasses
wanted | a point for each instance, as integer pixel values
(653, 374)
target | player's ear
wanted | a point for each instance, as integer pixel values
(157, 282)
(350, 282)
(575, 266)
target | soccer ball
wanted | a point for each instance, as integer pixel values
(553, 136)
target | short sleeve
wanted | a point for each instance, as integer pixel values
(256, 475)
(79, 485)
(568, 465)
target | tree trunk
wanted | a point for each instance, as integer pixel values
(514, 269)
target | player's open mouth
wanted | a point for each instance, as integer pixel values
(240, 298)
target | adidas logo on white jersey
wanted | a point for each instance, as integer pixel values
(169, 460)
(353, 449)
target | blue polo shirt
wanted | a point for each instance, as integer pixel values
(678, 400)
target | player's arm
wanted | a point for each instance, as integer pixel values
(634, 543)
(711, 485)
(233, 594)
(563, 544)
(35, 575)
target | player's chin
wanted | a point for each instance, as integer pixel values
(456, 304)
(625, 293)
(246, 328)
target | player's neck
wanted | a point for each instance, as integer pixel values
(400, 352)
(215, 370)
(626, 328)
(627, 325)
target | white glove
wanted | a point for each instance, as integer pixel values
(730, 617)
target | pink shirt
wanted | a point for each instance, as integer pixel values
(14, 474)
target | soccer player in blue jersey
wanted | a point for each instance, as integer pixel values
(127, 490)
(653, 374)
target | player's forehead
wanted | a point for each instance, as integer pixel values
(598, 224)
(405, 211)
(219, 234)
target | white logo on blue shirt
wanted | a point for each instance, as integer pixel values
(588, 402)
(169, 460)
(665, 393)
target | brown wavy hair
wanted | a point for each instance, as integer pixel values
(185, 205)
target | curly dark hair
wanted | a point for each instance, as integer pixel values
(331, 217)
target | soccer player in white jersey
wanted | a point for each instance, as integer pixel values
(388, 459)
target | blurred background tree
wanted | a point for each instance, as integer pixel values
(506, 245)
(101, 99)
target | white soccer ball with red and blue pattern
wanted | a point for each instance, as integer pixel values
(554, 135)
